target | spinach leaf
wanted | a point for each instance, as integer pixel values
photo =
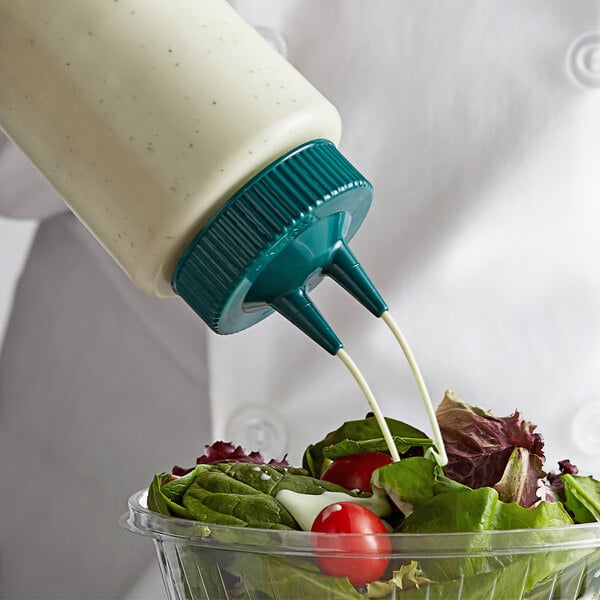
(215, 497)
(348, 447)
(165, 494)
(361, 436)
(239, 494)
(582, 497)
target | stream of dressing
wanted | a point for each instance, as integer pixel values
(440, 455)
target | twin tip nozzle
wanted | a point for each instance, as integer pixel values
(343, 267)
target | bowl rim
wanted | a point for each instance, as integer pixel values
(141, 520)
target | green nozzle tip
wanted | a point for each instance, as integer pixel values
(298, 308)
(345, 269)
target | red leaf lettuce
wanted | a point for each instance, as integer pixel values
(480, 446)
(225, 452)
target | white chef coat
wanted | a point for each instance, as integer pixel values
(478, 124)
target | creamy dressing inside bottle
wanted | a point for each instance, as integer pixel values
(146, 116)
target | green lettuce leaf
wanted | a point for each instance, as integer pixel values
(362, 436)
(481, 510)
(579, 578)
(413, 481)
(582, 497)
(407, 577)
(476, 511)
(293, 578)
(546, 576)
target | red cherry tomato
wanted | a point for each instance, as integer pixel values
(354, 471)
(348, 555)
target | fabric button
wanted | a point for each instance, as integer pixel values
(584, 59)
(586, 428)
(258, 428)
(275, 39)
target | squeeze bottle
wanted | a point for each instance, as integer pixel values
(202, 161)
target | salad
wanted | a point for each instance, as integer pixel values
(495, 479)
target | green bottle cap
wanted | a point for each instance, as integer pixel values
(275, 239)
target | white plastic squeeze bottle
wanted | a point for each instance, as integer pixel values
(204, 163)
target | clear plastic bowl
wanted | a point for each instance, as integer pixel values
(199, 560)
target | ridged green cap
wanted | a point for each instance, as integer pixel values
(273, 240)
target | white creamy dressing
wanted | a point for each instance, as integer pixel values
(374, 405)
(305, 507)
(440, 456)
